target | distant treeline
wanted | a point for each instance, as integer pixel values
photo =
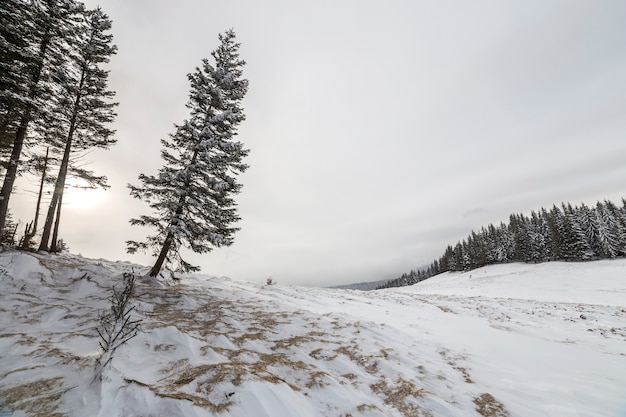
(566, 233)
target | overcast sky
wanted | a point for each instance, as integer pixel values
(380, 131)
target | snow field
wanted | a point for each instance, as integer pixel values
(506, 340)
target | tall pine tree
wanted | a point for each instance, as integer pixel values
(84, 107)
(192, 195)
(38, 37)
(16, 24)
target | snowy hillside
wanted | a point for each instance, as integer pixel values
(510, 340)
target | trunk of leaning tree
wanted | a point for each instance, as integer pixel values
(20, 136)
(60, 183)
(55, 233)
(30, 233)
(56, 197)
(162, 255)
(167, 244)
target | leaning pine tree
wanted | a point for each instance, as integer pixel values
(192, 195)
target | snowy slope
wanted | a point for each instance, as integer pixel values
(508, 340)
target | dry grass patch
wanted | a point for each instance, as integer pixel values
(37, 399)
(350, 351)
(240, 340)
(445, 309)
(164, 347)
(366, 407)
(197, 401)
(319, 354)
(203, 379)
(487, 406)
(174, 366)
(317, 379)
(349, 376)
(24, 339)
(368, 362)
(399, 395)
(266, 320)
(452, 362)
(292, 341)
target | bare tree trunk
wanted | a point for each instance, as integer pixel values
(29, 234)
(55, 233)
(56, 197)
(60, 183)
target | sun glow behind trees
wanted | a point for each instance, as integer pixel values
(79, 196)
(61, 47)
(68, 111)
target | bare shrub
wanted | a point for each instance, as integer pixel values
(117, 326)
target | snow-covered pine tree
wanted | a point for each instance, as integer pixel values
(192, 195)
(547, 231)
(618, 226)
(16, 22)
(506, 242)
(446, 263)
(84, 107)
(588, 223)
(476, 250)
(575, 246)
(608, 231)
(519, 228)
(491, 244)
(554, 219)
(539, 238)
(459, 256)
(39, 32)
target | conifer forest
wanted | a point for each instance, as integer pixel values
(566, 233)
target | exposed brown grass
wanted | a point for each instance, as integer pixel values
(365, 407)
(487, 406)
(37, 399)
(317, 379)
(452, 362)
(399, 395)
